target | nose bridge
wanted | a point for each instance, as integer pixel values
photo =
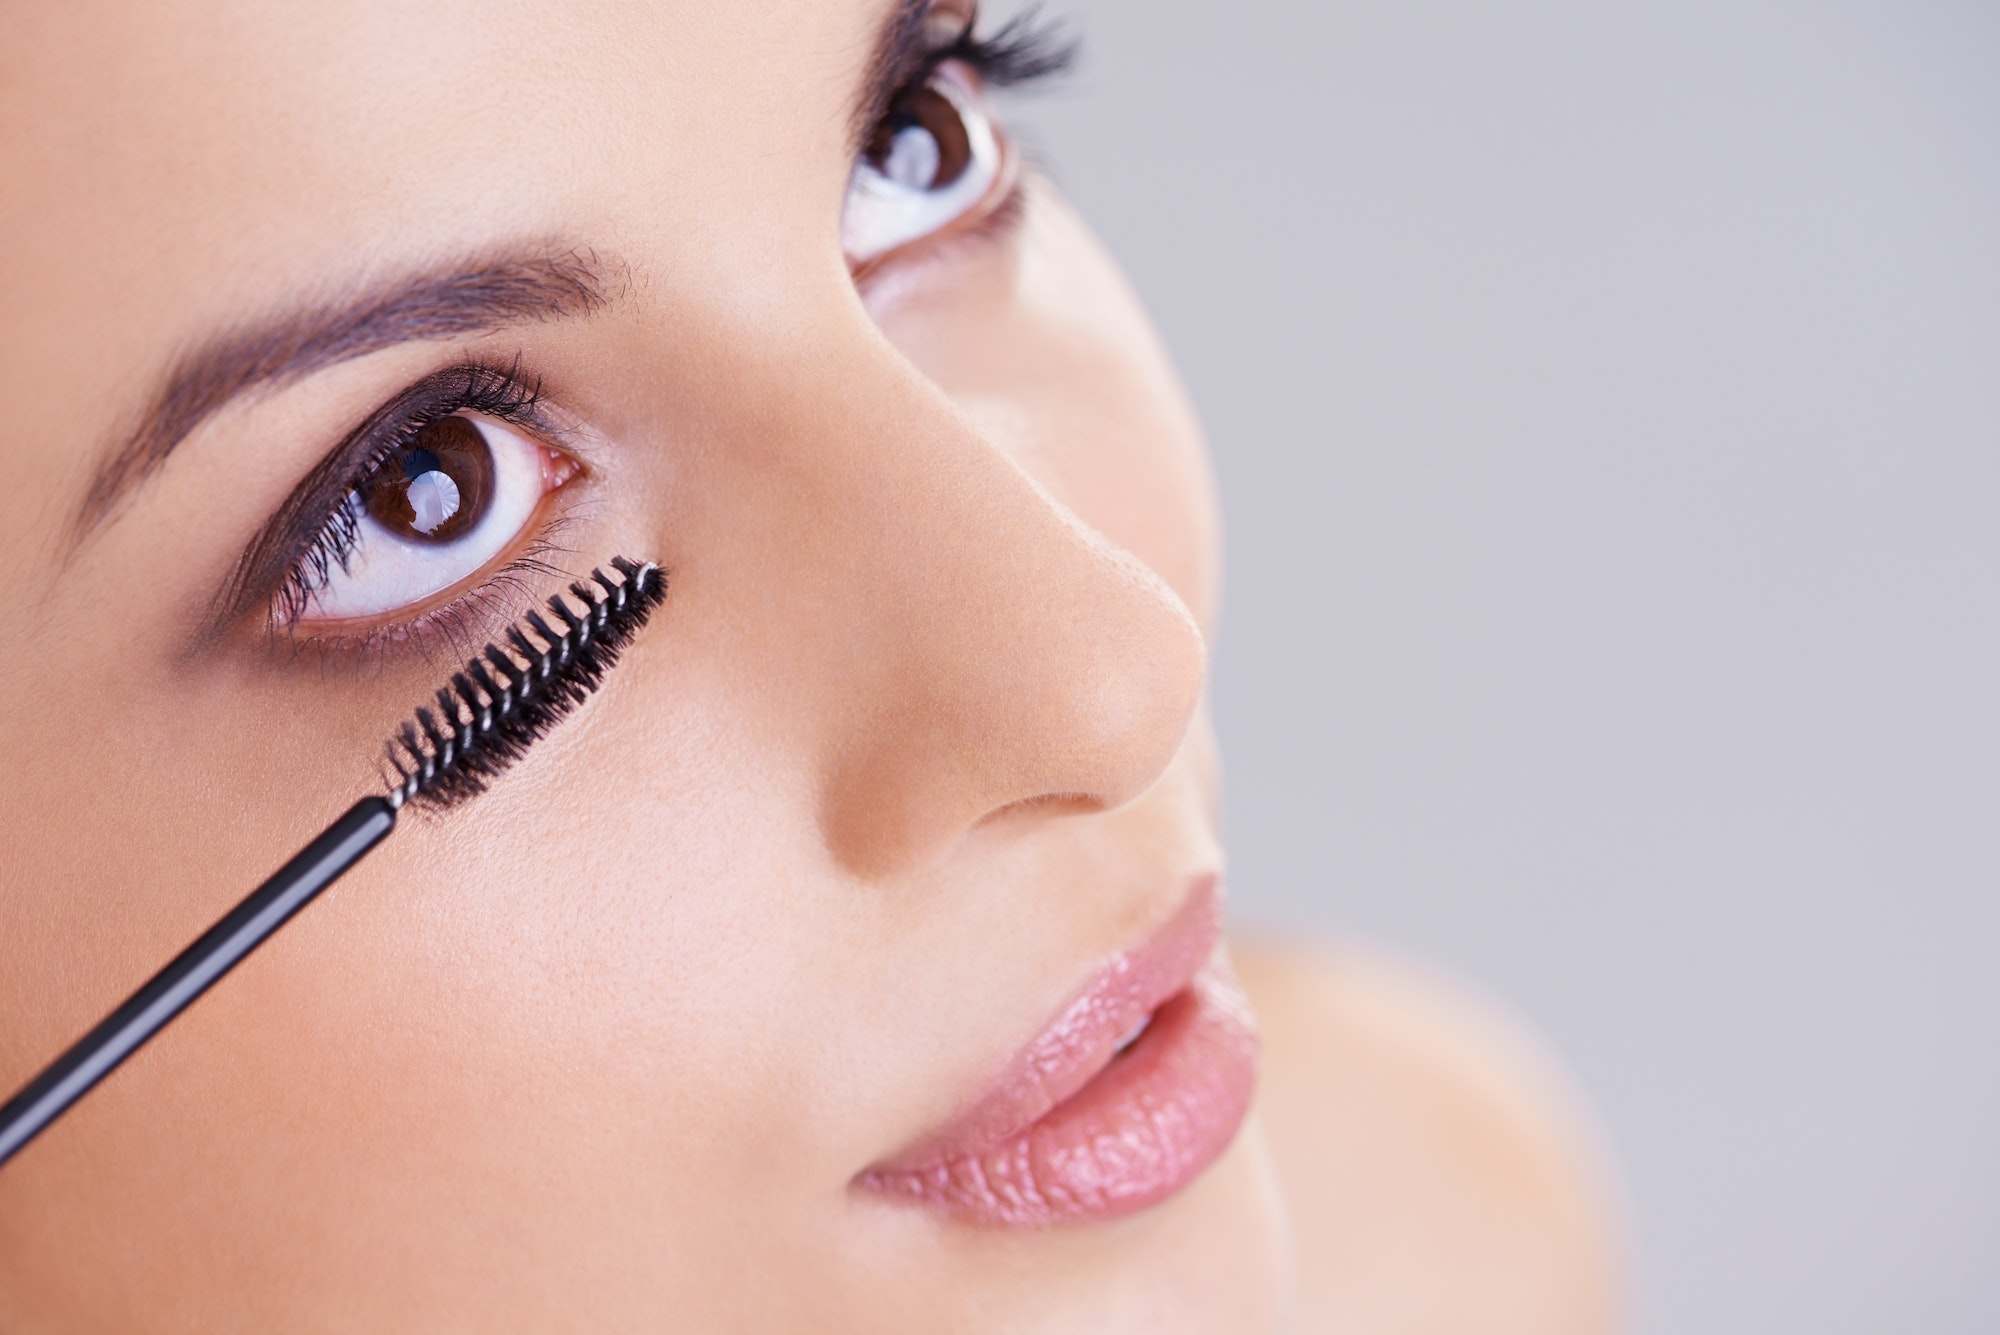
(994, 649)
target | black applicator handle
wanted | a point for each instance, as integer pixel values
(169, 992)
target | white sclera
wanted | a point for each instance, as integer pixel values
(387, 572)
(885, 210)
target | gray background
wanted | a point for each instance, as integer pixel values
(1606, 402)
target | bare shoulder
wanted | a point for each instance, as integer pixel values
(1440, 1175)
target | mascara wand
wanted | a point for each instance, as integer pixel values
(487, 718)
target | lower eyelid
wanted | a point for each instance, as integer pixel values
(477, 608)
(992, 221)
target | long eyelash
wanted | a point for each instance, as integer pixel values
(1025, 49)
(499, 394)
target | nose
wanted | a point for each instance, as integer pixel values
(975, 646)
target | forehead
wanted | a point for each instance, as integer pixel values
(170, 162)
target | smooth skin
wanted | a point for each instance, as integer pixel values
(915, 744)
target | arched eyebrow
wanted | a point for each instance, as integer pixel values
(454, 300)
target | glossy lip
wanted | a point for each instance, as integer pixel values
(1092, 1120)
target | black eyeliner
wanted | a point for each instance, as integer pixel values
(492, 711)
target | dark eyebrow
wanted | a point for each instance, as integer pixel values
(449, 301)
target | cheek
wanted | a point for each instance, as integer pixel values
(648, 947)
(1043, 345)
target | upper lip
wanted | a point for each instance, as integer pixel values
(1086, 1033)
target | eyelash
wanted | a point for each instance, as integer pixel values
(1028, 48)
(502, 395)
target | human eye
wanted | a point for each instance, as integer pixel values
(932, 159)
(936, 154)
(449, 482)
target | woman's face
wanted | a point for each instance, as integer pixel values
(335, 338)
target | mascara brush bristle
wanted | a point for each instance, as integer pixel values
(505, 698)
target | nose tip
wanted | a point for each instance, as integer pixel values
(1041, 668)
(1127, 686)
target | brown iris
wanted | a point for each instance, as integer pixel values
(922, 143)
(436, 487)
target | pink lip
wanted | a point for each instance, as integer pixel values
(1073, 1128)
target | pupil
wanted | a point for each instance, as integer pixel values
(437, 487)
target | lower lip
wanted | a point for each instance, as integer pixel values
(1137, 1131)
